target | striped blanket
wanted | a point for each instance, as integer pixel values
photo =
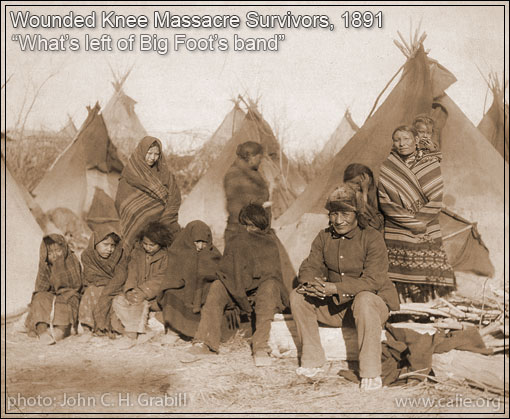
(411, 198)
(146, 194)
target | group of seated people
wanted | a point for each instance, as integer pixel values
(195, 290)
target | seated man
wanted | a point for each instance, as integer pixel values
(250, 273)
(345, 275)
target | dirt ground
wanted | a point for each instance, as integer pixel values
(86, 374)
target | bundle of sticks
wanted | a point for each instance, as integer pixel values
(457, 313)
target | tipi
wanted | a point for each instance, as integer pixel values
(494, 124)
(22, 252)
(343, 133)
(69, 130)
(213, 147)
(121, 120)
(473, 174)
(90, 161)
(103, 212)
(207, 199)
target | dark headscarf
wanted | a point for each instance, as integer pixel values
(188, 268)
(97, 270)
(64, 274)
(151, 180)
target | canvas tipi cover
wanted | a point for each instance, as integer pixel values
(90, 161)
(213, 147)
(21, 262)
(343, 133)
(124, 126)
(69, 130)
(494, 124)
(473, 174)
(103, 212)
(207, 202)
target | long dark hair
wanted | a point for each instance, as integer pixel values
(157, 233)
(256, 214)
(357, 169)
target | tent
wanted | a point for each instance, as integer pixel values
(213, 147)
(473, 173)
(69, 130)
(206, 201)
(102, 212)
(494, 124)
(20, 266)
(121, 120)
(343, 133)
(90, 161)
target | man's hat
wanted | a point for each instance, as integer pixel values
(343, 198)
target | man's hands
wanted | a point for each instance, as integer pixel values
(319, 288)
(135, 296)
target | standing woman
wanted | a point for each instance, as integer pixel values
(244, 185)
(147, 192)
(410, 196)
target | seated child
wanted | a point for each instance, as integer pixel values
(55, 301)
(193, 263)
(103, 260)
(250, 274)
(146, 270)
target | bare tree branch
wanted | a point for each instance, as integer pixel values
(7, 81)
(34, 99)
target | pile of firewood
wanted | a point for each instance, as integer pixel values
(457, 313)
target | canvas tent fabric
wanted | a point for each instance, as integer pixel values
(343, 133)
(473, 173)
(213, 147)
(21, 253)
(464, 246)
(124, 126)
(90, 161)
(69, 130)
(42, 218)
(207, 200)
(494, 124)
(102, 212)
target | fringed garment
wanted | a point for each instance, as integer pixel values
(56, 298)
(146, 194)
(410, 196)
(189, 275)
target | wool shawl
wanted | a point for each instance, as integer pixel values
(250, 259)
(97, 270)
(109, 273)
(146, 193)
(189, 273)
(63, 278)
(411, 199)
(243, 186)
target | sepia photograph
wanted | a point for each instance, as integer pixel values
(266, 209)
